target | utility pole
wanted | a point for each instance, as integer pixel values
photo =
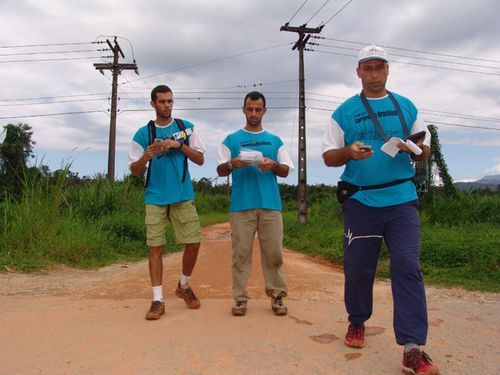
(116, 68)
(302, 186)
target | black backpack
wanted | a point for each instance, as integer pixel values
(152, 136)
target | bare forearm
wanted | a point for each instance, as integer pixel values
(193, 155)
(337, 157)
(281, 170)
(137, 167)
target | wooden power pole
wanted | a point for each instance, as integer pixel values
(116, 69)
(302, 184)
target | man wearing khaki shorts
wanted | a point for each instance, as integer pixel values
(255, 202)
(169, 194)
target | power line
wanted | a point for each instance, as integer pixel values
(49, 114)
(207, 109)
(215, 60)
(411, 63)
(53, 102)
(455, 114)
(53, 52)
(340, 10)
(58, 59)
(409, 50)
(326, 2)
(460, 125)
(411, 57)
(51, 97)
(227, 108)
(297, 11)
(49, 44)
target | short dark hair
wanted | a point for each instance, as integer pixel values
(255, 95)
(157, 89)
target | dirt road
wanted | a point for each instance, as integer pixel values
(92, 322)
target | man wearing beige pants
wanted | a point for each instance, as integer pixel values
(255, 158)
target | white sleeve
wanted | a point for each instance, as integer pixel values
(418, 126)
(333, 137)
(223, 154)
(196, 143)
(135, 152)
(284, 158)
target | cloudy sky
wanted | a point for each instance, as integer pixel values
(444, 55)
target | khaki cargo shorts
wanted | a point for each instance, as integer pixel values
(183, 217)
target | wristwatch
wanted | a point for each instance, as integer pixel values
(229, 165)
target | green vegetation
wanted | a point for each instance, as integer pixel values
(82, 223)
(52, 218)
(49, 218)
(460, 238)
(91, 223)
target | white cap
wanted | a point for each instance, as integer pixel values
(372, 52)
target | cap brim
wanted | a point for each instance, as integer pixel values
(373, 58)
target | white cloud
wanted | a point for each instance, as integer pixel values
(493, 170)
(173, 41)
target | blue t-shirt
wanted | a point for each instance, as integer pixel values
(165, 184)
(379, 168)
(252, 188)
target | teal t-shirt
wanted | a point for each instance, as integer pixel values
(165, 184)
(379, 168)
(252, 188)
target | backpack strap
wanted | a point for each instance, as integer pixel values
(182, 128)
(152, 136)
(400, 114)
(375, 120)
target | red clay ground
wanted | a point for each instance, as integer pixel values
(68, 321)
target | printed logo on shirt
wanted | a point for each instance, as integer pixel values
(365, 116)
(254, 144)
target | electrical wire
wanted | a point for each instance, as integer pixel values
(50, 114)
(51, 97)
(335, 15)
(58, 59)
(216, 60)
(410, 57)
(460, 125)
(326, 2)
(411, 63)
(297, 11)
(407, 49)
(206, 109)
(53, 102)
(48, 45)
(52, 52)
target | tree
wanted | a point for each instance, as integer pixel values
(15, 150)
(438, 158)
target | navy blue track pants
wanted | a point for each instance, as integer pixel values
(399, 227)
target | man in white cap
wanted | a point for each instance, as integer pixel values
(379, 201)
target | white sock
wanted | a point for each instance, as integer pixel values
(411, 346)
(158, 293)
(184, 280)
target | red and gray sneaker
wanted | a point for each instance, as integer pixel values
(418, 362)
(355, 337)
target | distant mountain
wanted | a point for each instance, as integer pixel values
(487, 182)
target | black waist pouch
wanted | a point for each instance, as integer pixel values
(345, 190)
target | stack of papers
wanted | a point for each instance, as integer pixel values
(251, 156)
(391, 146)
